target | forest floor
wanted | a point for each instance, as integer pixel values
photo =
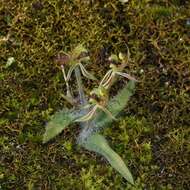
(152, 136)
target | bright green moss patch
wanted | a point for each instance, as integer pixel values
(153, 136)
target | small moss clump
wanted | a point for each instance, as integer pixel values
(153, 135)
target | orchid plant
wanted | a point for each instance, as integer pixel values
(96, 111)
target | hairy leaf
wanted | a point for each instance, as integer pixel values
(98, 143)
(59, 122)
(115, 105)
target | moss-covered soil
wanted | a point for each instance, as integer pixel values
(153, 135)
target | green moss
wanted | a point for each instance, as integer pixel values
(159, 12)
(153, 135)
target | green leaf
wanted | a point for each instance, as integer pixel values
(98, 143)
(115, 105)
(59, 122)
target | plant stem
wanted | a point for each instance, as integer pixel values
(82, 98)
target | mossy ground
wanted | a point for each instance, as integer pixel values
(152, 137)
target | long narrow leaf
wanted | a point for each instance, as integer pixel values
(98, 143)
